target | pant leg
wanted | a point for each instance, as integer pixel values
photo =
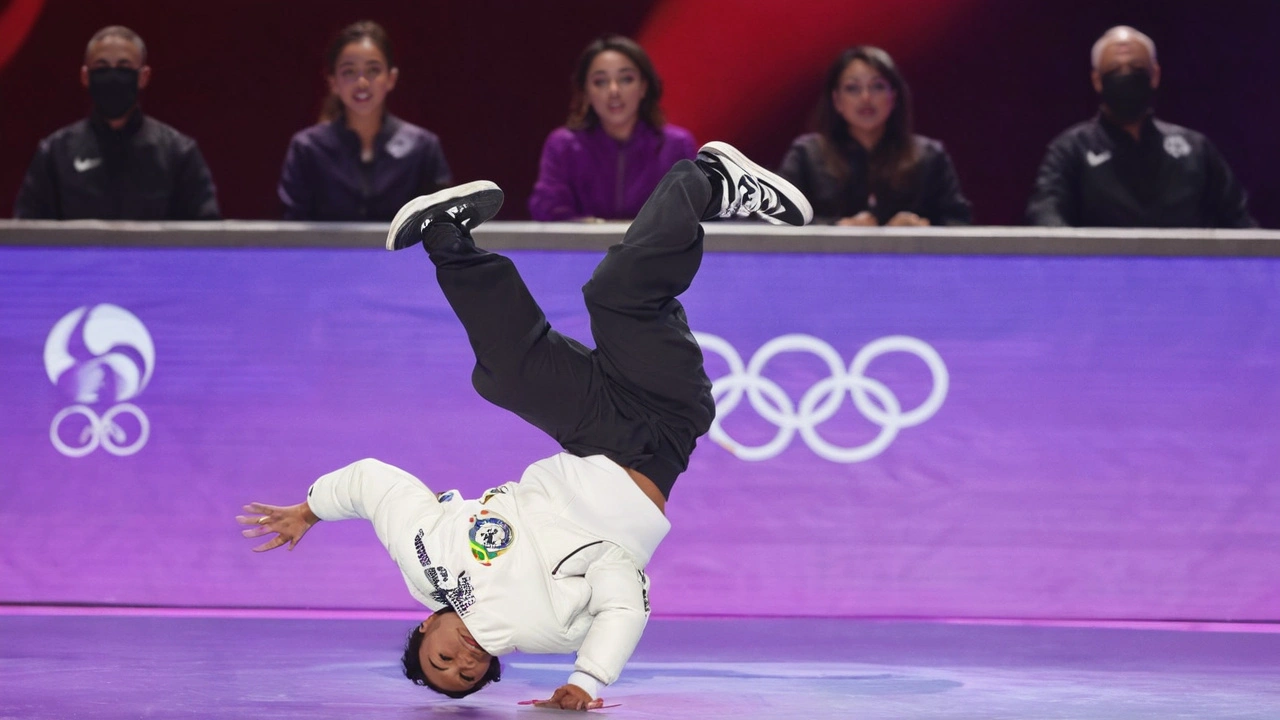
(642, 335)
(522, 364)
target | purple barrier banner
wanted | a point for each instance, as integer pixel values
(980, 436)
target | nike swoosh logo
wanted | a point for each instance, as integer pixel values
(86, 164)
(1096, 159)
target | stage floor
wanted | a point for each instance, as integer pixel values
(70, 665)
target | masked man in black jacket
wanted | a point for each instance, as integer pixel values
(1124, 168)
(117, 164)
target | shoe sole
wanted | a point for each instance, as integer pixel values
(784, 187)
(484, 195)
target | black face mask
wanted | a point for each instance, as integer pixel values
(1127, 95)
(114, 91)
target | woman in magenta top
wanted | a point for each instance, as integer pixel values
(615, 147)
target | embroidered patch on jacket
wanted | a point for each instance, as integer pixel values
(490, 536)
(488, 494)
(1177, 146)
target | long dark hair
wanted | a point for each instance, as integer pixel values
(894, 158)
(353, 33)
(581, 115)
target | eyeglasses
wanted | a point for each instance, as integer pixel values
(877, 88)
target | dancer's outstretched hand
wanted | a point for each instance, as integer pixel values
(571, 697)
(289, 524)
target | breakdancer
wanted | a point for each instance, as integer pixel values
(553, 563)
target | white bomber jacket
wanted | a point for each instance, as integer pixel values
(550, 564)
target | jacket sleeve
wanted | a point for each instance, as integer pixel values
(689, 149)
(620, 609)
(947, 204)
(1225, 199)
(553, 196)
(294, 189)
(390, 498)
(797, 168)
(437, 171)
(1054, 199)
(38, 196)
(194, 198)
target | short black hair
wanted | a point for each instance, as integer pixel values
(413, 666)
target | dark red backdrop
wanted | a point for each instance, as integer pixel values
(994, 79)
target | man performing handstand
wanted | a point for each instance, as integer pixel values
(553, 563)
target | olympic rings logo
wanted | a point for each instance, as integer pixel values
(102, 431)
(820, 402)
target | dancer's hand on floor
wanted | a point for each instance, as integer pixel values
(571, 697)
(289, 524)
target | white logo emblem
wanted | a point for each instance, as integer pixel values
(1177, 146)
(821, 401)
(99, 355)
(1095, 159)
(86, 164)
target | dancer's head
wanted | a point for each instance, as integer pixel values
(442, 655)
(115, 69)
(614, 86)
(361, 70)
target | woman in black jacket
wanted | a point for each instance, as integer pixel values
(864, 166)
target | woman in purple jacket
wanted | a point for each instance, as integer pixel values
(360, 163)
(615, 147)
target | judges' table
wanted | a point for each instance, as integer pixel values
(990, 422)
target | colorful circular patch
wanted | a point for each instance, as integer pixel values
(490, 536)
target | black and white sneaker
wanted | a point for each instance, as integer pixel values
(464, 205)
(749, 190)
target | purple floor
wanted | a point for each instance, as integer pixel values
(135, 666)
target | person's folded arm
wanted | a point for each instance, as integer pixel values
(1054, 201)
(195, 197)
(553, 197)
(296, 189)
(620, 609)
(436, 172)
(38, 195)
(1225, 196)
(950, 205)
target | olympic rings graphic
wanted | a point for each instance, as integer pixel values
(102, 431)
(820, 402)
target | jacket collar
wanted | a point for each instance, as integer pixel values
(390, 124)
(1119, 134)
(129, 129)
